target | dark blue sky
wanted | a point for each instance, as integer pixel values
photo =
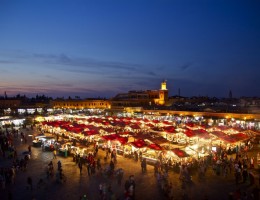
(104, 47)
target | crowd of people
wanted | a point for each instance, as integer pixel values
(8, 151)
(109, 170)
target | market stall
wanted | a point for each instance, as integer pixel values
(116, 142)
(152, 153)
(135, 148)
(81, 151)
(65, 149)
(38, 140)
(178, 156)
(48, 143)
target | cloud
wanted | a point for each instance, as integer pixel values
(151, 73)
(48, 89)
(64, 58)
(62, 73)
(49, 76)
(161, 67)
(80, 65)
(41, 55)
(6, 62)
(186, 66)
(4, 71)
(89, 65)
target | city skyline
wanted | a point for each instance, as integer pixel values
(98, 49)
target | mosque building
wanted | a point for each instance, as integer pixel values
(130, 99)
(141, 98)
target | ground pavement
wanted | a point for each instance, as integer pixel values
(213, 187)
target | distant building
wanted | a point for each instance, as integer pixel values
(250, 104)
(141, 98)
(80, 104)
(135, 100)
(9, 103)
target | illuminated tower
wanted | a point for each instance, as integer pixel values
(163, 93)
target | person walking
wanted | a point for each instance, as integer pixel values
(143, 165)
(29, 149)
(112, 166)
(119, 176)
(131, 188)
(29, 182)
(54, 154)
(98, 164)
(50, 169)
(80, 166)
(89, 168)
(59, 165)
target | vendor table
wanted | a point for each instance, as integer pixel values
(37, 144)
(48, 148)
(63, 152)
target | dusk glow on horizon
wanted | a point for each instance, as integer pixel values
(102, 48)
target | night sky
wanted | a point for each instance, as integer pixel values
(101, 48)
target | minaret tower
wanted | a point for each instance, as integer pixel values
(230, 94)
(163, 93)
